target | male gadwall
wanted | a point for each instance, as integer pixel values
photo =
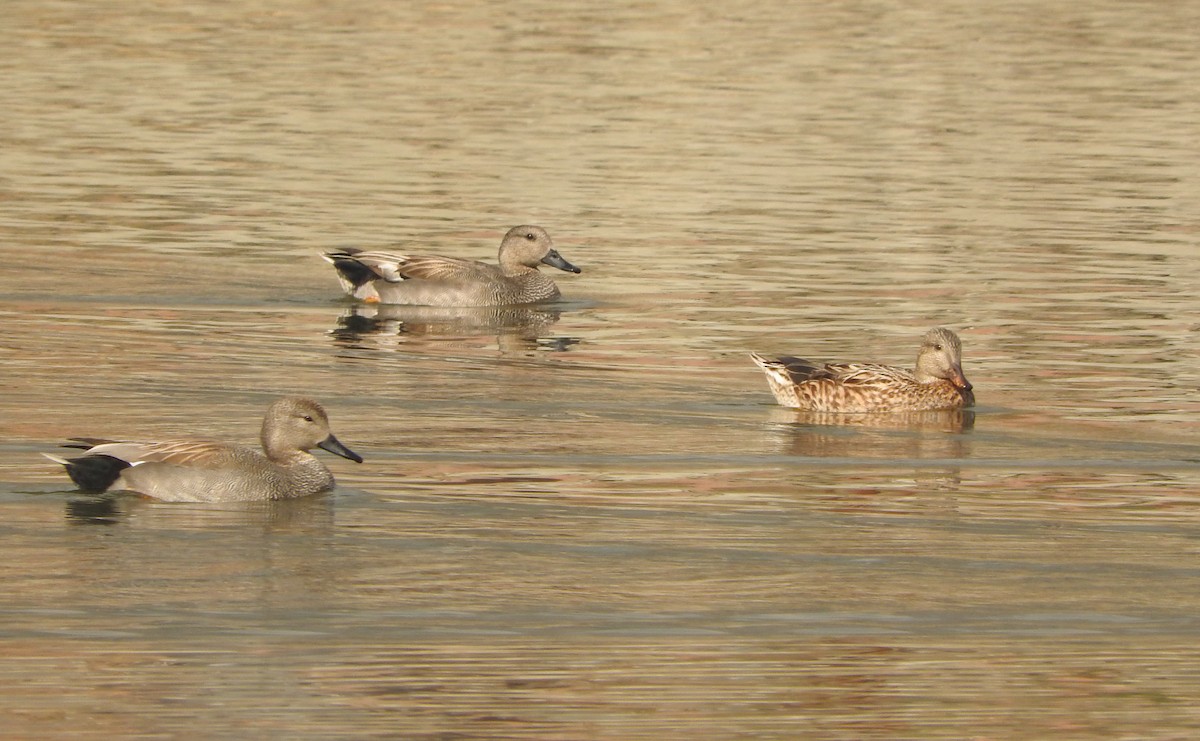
(937, 383)
(208, 471)
(432, 280)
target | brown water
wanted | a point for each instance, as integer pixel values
(589, 520)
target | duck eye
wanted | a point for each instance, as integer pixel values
(530, 236)
(937, 347)
(308, 418)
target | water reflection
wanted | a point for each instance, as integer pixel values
(619, 542)
(904, 435)
(102, 510)
(306, 514)
(516, 329)
(942, 420)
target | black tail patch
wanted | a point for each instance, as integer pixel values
(350, 268)
(95, 472)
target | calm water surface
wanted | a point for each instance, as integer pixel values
(589, 520)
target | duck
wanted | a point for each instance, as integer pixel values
(936, 383)
(191, 470)
(435, 280)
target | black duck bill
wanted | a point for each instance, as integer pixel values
(333, 445)
(555, 260)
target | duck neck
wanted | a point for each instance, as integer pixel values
(925, 378)
(277, 451)
(309, 475)
(512, 267)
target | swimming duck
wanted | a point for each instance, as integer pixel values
(209, 471)
(434, 280)
(936, 383)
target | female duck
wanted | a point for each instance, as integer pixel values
(208, 471)
(433, 280)
(936, 383)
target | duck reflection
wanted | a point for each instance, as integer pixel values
(515, 328)
(315, 513)
(101, 510)
(901, 435)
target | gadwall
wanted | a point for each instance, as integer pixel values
(937, 383)
(433, 280)
(208, 471)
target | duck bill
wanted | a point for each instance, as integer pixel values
(333, 445)
(960, 380)
(555, 260)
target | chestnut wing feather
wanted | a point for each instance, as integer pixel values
(394, 267)
(441, 268)
(192, 453)
(866, 374)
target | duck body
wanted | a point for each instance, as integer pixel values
(212, 471)
(936, 383)
(437, 280)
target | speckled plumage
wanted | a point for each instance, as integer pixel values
(210, 471)
(434, 280)
(936, 383)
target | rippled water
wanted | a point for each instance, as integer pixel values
(589, 520)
